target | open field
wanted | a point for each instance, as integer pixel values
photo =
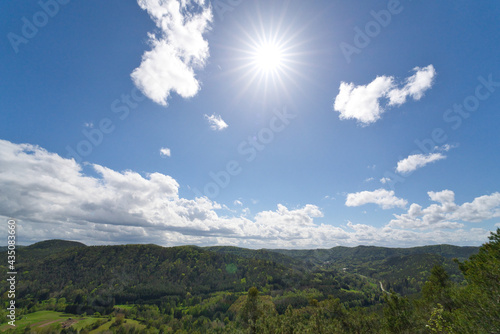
(43, 319)
(38, 319)
(127, 322)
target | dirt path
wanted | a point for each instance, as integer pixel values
(382, 288)
(42, 324)
(67, 323)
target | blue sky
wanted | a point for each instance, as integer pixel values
(252, 123)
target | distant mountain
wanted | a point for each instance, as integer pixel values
(402, 269)
(45, 248)
(5, 248)
(261, 254)
(132, 273)
(349, 255)
(55, 244)
(150, 273)
(42, 249)
(187, 287)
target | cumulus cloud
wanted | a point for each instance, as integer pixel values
(176, 50)
(384, 180)
(416, 161)
(415, 86)
(480, 209)
(54, 197)
(165, 151)
(216, 122)
(383, 198)
(363, 102)
(447, 213)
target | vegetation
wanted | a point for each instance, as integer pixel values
(66, 287)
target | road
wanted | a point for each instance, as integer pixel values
(382, 287)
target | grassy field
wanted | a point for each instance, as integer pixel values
(38, 319)
(84, 322)
(103, 327)
(108, 324)
(124, 307)
(49, 318)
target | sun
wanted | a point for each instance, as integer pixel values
(268, 57)
(266, 62)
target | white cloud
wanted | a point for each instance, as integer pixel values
(370, 179)
(480, 209)
(283, 216)
(384, 180)
(446, 214)
(237, 202)
(416, 161)
(216, 122)
(53, 197)
(445, 148)
(384, 198)
(165, 151)
(177, 50)
(363, 103)
(415, 86)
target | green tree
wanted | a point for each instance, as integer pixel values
(437, 289)
(290, 321)
(399, 314)
(437, 323)
(479, 310)
(251, 312)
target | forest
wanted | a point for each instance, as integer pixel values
(68, 287)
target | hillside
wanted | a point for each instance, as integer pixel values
(349, 255)
(261, 254)
(150, 273)
(221, 289)
(403, 269)
(43, 249)
(5, 248)
(135, 273)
